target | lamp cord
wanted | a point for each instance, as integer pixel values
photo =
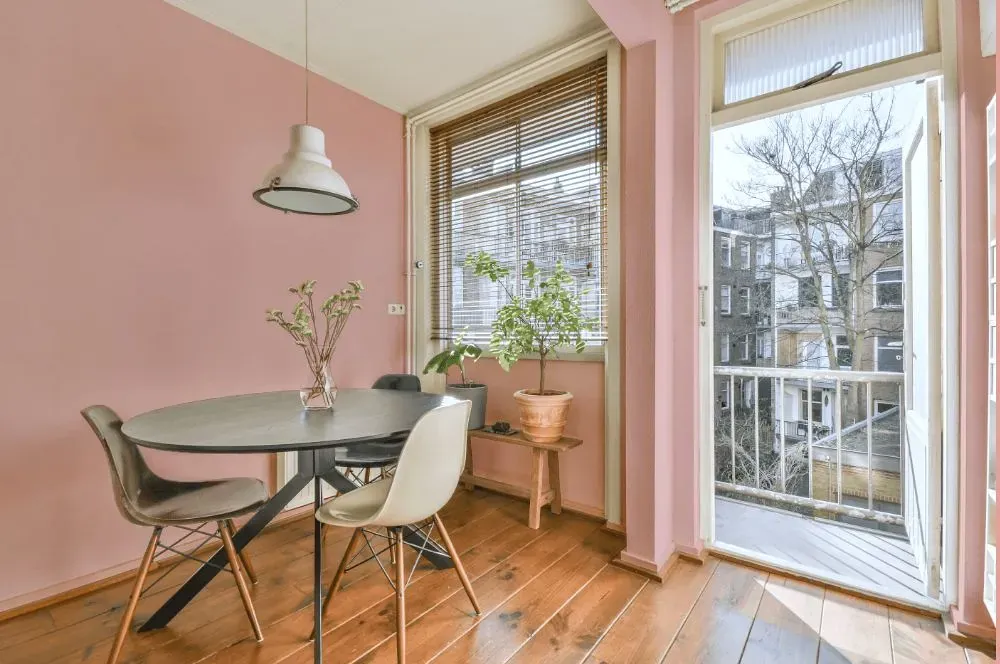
(307, 60)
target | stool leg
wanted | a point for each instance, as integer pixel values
(400, 599)
(535, 499)
(133, 600)
(244, 555)
(556, 505)
(459, 568)
(234, 564)
(339, 576)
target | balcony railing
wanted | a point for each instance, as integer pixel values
(767, 453)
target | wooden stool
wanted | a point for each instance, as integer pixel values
(535, 495)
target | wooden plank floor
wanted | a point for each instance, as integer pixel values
(548, 596)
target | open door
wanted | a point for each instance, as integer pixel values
(922, 457)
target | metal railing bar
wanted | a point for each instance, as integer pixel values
(809, 435)
(820, 374)
(732, 427)
(871, 425)
(837, 423)
(781, 455)
(756, 428)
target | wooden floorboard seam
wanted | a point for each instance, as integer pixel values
(687, 615)
(618, 617)
(756, 611)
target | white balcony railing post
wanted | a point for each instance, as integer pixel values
(781, 454)
(871, 425)
(732, 425)
(809, 434)
(756, 429)
(837, 423)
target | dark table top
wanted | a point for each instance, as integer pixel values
(276, 421)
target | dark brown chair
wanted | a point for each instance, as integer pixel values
(146, 499)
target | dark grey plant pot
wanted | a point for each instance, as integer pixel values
(476, 393)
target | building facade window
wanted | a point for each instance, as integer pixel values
(889, 289)
(764, 346)
(725, 300)
(887, 222)
(724, 394)
(745, 347)
(814, 405)
(889, 353)
(744, 294)
(724, 349)
(808, 292)
(845, 355)
(726, 251)
(745, 255)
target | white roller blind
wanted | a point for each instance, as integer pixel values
(524, 180)
(857, 33)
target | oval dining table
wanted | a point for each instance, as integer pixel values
(273, 422)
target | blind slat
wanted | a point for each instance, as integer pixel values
(523, 179)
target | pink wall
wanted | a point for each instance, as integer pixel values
(582, 469)
(976, 86)
(136, 267)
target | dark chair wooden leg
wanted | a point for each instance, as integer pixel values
(234, 564)
(244, 556)
(400, 598)
(133, 600)
(339, 576)
(459, 569)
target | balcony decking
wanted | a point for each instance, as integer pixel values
(876, 562)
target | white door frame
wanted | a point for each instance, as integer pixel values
(943, 63)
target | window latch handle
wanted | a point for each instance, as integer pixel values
(701, 304)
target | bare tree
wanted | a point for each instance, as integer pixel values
(827, 178)
(747, 453)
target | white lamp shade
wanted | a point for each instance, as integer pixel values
(304, 181)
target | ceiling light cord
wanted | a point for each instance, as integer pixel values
(307, 60)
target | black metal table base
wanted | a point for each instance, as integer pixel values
(313, 466)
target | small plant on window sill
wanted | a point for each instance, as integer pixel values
(546, 317)
(454, 356)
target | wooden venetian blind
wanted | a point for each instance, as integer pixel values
(523, 179)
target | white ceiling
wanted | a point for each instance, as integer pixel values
(402, 54)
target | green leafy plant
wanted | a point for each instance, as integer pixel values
(304, 329)
(454, 356)
(546, 319)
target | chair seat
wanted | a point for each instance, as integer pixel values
(357, 508)
(369, 455)
(167, 502)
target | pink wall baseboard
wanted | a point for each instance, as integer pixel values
(136, 267)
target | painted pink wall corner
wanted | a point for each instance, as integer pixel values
(136, 267)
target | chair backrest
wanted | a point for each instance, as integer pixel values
(429, 467)
(129, 471)
(404, 382)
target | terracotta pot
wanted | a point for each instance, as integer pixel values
(543, 416)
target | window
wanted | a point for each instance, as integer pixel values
(845, 355)
(725, 300)
(724, 394)
(887, 222)
(889, 288)
(855, 33)
(808, 292)
(724, 349)
(524, 179)
(812, 354)
(746, 389)
(764, 346)
(744, 301)
(884, 406)
(745, 347)
(814, 405)
(726, 251)
(837, 291)
(745, 255)
(763, 255)
(889, 354)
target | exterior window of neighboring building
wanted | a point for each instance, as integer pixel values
(808, 293)
(889, 288)
(845, 356)
(745, 347)
(812, 354)
(726, 251)
(884, 406)
(745, 301)
(763, 255)
(746, 388)
(815, 405)
(724, 349)
(889, 353)
(764, 346)
(745, 255)
(725, 300)
(887, 222)
(724, 394)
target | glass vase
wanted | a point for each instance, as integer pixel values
(322, 393)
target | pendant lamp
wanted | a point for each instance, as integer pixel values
(304, 182)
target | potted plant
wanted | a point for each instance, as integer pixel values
(454, 356)
(545, 318)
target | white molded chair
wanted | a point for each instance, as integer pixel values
(426, 476)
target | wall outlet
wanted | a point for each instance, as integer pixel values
(397, 309)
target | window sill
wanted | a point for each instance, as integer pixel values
(595, 354)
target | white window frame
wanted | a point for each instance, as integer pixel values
(419, 345)
(726, 300)
(724, 349)
(743, 294)
(769, 345)
(725, 398)
(879, 346)
(726, 250)
(875, 284)
(744, 255)
(745, 352)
